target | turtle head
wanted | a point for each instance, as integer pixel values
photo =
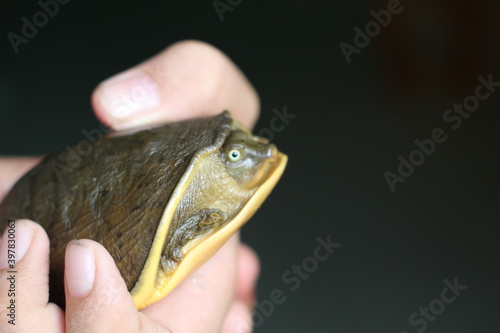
(248, 158)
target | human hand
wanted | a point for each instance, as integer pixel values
(189, 79)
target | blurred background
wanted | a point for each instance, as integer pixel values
(360, 82)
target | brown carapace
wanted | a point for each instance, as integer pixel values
(160, 200)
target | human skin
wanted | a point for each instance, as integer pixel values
(188, 79)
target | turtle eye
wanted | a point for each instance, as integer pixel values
(234, 155)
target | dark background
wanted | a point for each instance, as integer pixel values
(352, 122)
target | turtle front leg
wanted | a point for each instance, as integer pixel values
(206, 220)
(202, 223)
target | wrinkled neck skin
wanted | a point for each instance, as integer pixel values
(212, 199)
(219, 189)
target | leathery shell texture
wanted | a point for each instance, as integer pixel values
(115, 194)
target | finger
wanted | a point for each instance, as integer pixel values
(97, 299)
(200, 303)
(26, 284)
(188, 79)
(238, 318)
(11, 169)
(248, 272)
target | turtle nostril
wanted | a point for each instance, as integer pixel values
(260, 139)
(272, 152)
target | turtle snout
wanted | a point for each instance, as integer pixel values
(272, 153)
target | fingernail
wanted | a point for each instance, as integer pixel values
(80, 269)
(127, 94)
(16, 241)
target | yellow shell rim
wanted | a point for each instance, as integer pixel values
(144, 292)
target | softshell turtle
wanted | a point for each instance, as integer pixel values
(161, 200)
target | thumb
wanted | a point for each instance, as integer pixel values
(97, 299)
(24, 280)
(188, 79)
